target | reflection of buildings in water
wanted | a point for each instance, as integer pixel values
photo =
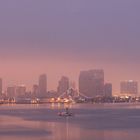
(81, 127)
(67, 128)
(62, 130)
(72, 132)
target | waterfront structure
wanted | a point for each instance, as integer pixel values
(42, 86)
(20, 91)
(129, 87)
(108, 90)
(11, 92)
(63, 85)
(0, 86)
(91, 83)
(35, 91)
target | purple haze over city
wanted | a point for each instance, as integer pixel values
(60, 37)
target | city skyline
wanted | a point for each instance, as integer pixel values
(65, 37)
(42, 80)
(69, 69)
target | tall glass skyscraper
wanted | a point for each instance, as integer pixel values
(91, 83)
(42, 85)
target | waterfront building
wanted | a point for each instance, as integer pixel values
(129, 87)
(42, 87)
(35, 91)
(91, 83)
(63, 85)
(21, 91)
(108, 90)
(11, 92)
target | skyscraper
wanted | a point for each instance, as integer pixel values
(11, 92)
(35, 91)
(20, 91)
(63, 85)
(91, 83)
(0, 86)
(129, 87)
(42, 85)
(108, 89)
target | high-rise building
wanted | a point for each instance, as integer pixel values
(20, 91)
(63, 85)
(11, 92)
(108, 89)
(0, 86)
(91, 83)
(42, 85)
(129, 87)
(35, 91)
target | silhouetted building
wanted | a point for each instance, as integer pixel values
(42, 85)
(35, 91)
(63, 85)
(129, 87)
(20, 91)
(0, 86)
(11, 92)
(108, 89)
(91, 83)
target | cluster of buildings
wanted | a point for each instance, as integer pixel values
(91, 84)
(39, 90)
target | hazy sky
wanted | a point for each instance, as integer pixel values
(62, 37)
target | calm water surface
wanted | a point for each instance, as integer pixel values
(90, 122)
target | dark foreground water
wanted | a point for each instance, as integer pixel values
(90, 122)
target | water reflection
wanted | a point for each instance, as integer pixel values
(41, 122)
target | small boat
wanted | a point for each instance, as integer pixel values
(65, 113)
